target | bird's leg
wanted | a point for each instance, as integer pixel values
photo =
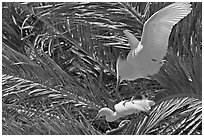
(143, 90)
(129, 86)
(117, 89)
(128, 83)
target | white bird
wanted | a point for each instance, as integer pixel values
(125, 108)
(145, 57)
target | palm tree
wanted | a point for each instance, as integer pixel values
(58, 69)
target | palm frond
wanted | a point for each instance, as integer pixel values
(168, 116)
(181, 73)
(29, 82)
(49, 126)
(58, 64)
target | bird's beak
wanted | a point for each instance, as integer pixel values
(96, 117)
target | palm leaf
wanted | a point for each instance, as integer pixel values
(59, 63)
(27, 80)
(168, 116)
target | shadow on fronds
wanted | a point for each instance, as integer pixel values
(60, 57)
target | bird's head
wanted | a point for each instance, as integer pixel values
(104, 112)
(107, 112)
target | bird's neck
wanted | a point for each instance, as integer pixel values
(112, 116)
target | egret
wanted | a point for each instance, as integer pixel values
(125, 108)
(145, 57)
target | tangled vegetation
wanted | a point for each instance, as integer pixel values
(58, 69)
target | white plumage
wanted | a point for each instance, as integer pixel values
(125, 108)
(145, 57)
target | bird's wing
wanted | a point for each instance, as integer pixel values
(141, 105)
(132, 40)
(129, 107)
(119, 106)
(125, 108)
(158, 27)
(151, 103)
(124, 69)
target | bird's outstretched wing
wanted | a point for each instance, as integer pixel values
(145, 59)
(158, 27)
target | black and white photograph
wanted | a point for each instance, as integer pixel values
(101, 68)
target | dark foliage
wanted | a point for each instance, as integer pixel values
(58, 69)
